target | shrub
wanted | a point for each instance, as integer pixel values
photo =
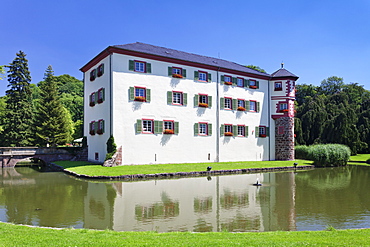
(368, 161)
(301, 152)
(111, 148)
(329, 154)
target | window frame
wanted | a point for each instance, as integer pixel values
(253, 102)
(181, 94)
(241, 128)
(92, 128)
(228, 80)
(283, 109)
(205, 75)
(171, 129)
(276, 88)
(239, 79)
(93, 75)
(228, 130)
(262, 133)
(205, 124)
(101, 96)
(145, 120)
(231, 103)
(242, 106)
(101, 127)
(139, 62)
(137, 96)
(100, 70)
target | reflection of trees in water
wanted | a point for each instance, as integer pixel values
(242, 223)
(168, 208)
(229, 199)
(203, 205)
(336, 193)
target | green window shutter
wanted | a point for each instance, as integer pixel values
(246, 83)
(247, 105)
(147, 95)
(235, 130)
(267, 131)
(184, 73)
(176, 128)
(131, 65)
(235, 104)
(196, 100)
(148, 68)
(258, 106)
(103, 94)
(169, 97)
(222, 103)
(257, 131)
(222, 129)
(156, 127)
(132, 93)
(222, 78)
(185, 99)
(209, 101)
(160, 127)
(196, 75)
(209, 77)
(246, 131)
(209, 129)
(138, 126)
(102, 69)
(96, 126)
(258, 84)
(169, 71)
(103, 126)
(96, 97)
(234, 80)
(196, 129)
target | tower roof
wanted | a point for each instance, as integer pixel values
(283, 74)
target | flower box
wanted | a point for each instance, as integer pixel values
(203, 105)
(254, 87)
(168, 131)
(140, 98)
(228, 134)
(285, 110)
(92, 132)
(99, 132)
(92, 103)
(241, 108)
(177, 76)
(100, 101)
(262, 135)
(228, 83)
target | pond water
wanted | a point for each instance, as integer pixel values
(304, 200)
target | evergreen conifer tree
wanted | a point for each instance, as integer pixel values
(18, 119)
(53, 122)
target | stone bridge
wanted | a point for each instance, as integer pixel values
(10, 156)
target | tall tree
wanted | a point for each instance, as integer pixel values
(18, 119)
(2, 72)
(53, 120)
(332, 85)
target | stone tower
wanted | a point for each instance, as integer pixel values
(282, 111)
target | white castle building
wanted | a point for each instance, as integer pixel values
(167, 106)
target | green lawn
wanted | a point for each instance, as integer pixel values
(89, 169)
(15, 235)
(360, 157)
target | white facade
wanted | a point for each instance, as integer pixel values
(118, 114)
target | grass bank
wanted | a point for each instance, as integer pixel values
(89, 169)
(15, 235)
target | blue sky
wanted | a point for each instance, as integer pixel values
(315, 39)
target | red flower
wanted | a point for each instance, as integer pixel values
(254, 87)
(168, 131)
(177, 76)
(203, 105)
(262, 135)
(140, 98)
(228, 134)
(228, 83)
(241, 108)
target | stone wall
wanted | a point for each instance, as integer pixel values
(284, 138)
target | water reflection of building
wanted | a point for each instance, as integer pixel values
(196, 204)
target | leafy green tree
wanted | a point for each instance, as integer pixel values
(54, 124)
(2, 113)
(18, 118)
(256, 68)
(332, 85)
(303, 91)
(2, 72)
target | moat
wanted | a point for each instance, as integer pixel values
(288, 201)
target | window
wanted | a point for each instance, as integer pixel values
(93, 75)
(202, 76)
(92, 99)
(262, 131)
(228, 103)
(283, 107)
(96, 156)
(228, 130)
(203, 129)
(177, 98)
(252, 105)
(240, 82)
(140, 94)
(241, 130)
(176, 72)
(139, 66)
(100, 129)
(101, 95)
(253, 84)
(92, 128)
(278, 86)
(228, 80)
(168, 127)
(101, 70)
(241, 105)
(147, 126)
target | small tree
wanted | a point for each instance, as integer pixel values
(111, 148)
